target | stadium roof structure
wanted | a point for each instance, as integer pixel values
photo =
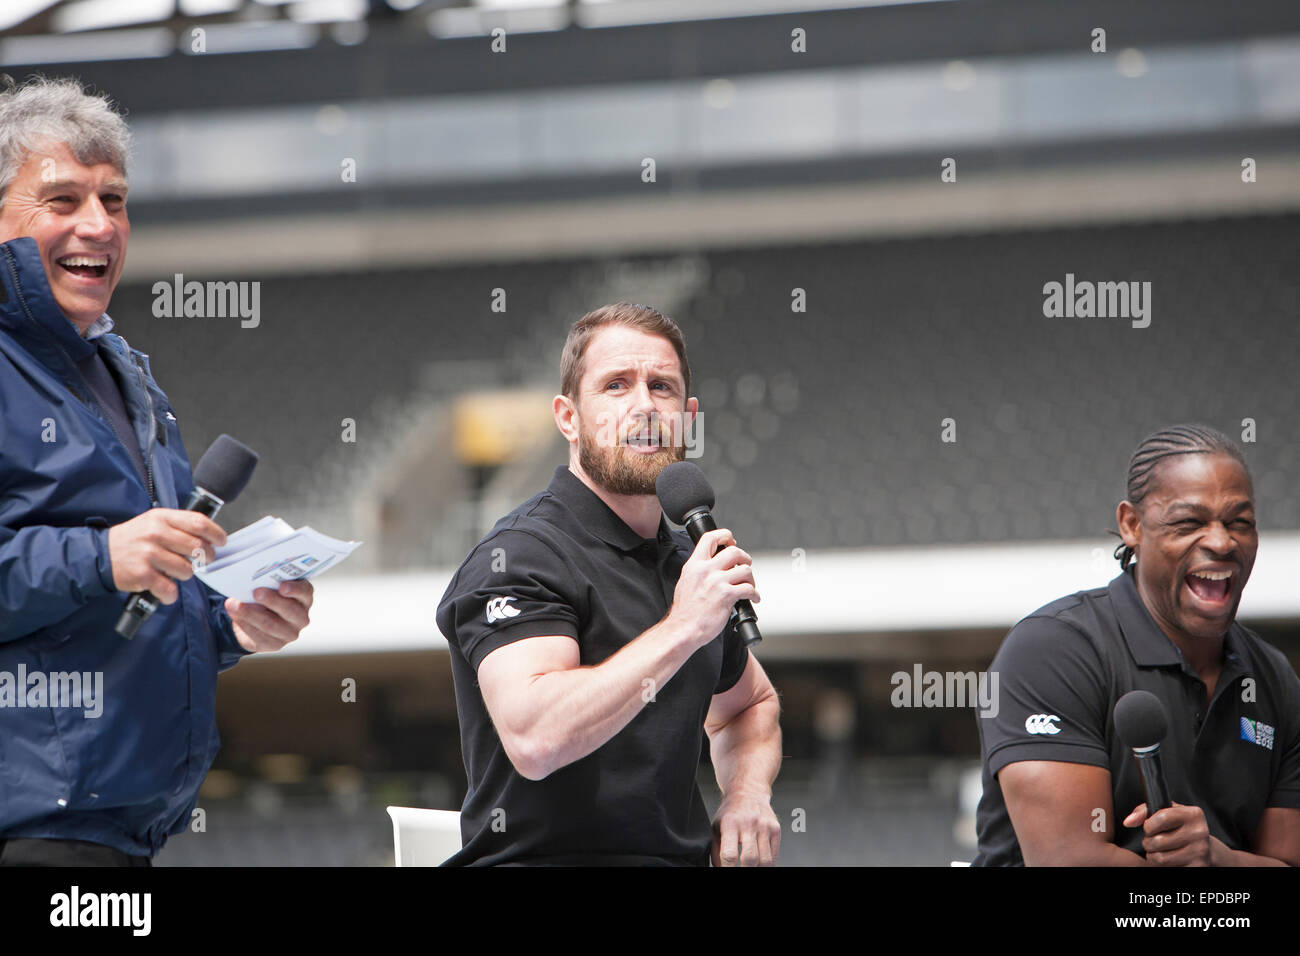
(373, 50)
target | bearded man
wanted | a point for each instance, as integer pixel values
(591, 647)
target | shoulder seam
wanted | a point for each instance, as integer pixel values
(513, 526)
(1057, 619)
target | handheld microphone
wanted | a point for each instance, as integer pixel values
(687, 499)
(1141, 723)
(222, 473)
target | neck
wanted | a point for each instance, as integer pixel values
(1204, 654)
(639, 512)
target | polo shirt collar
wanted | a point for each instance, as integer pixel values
(1146, 642)
(1149, 645)
(596, 516)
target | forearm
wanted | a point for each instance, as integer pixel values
(746, 752)
(1091, 854)
(568, 714)
(1045, 842)
(1221, 855)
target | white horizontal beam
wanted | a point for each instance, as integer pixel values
(1053, 199)
(866, 591)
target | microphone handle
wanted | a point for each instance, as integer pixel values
(204, 502)
(1153, 778)
(743, 616)
(141, 605)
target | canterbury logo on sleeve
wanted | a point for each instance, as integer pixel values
(1042, 724)
(498, 609)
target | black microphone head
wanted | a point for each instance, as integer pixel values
(225, 468)
(682, 488)
(1140, 719)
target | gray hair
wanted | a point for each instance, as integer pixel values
(44, 111)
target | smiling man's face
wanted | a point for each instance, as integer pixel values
(1196, 540)
(77, 215)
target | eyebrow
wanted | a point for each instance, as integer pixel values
(114, 186)
(624, 372)
(1195, 506)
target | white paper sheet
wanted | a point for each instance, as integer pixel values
(268, 552)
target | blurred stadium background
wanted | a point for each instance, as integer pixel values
(519, 176)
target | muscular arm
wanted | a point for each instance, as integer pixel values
(744, 731)
(1053, 807)
(549, 711)
(1277, 839)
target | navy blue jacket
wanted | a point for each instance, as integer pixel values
(130, 776)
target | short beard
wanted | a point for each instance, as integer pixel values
(622, 472)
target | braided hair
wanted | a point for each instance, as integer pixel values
(1164, 444)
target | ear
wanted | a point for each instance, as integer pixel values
(566, 417)
(692, 409)
(1130, 523)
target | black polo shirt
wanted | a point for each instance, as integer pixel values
(1061, 671)
(564, 563)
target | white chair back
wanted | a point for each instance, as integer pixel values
(424, 837)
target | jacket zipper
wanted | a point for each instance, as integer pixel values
(153, 425)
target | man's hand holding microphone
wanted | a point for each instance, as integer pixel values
(711, 584)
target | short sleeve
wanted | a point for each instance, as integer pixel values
(1050, 698)
(735, 657)
(512, 586)
(1286, 789)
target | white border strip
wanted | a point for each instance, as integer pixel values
(885, 590)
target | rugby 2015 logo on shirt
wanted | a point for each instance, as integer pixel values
(498, 609)
(1257, 732)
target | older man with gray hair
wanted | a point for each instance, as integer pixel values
(103, 741)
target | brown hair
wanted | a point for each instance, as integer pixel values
(640, 317)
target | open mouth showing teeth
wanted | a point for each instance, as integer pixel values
(89, 266)
(1210, 585)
